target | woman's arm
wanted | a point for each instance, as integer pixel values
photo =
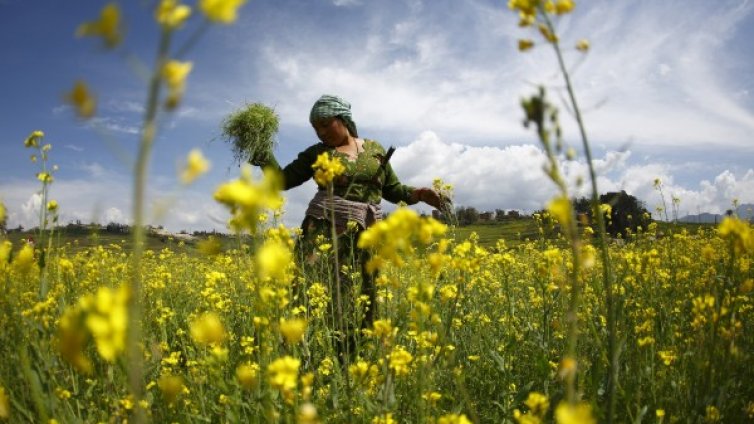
(300, 170)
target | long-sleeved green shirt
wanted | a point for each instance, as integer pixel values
(364, 180)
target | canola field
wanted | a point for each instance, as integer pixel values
(463, 333)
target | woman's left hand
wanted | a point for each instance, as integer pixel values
(428, 196)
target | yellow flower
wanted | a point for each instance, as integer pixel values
(326, 168)
(400, 361)
(283, 373)
(107, 320)
(174, 74)
(247, 375)
(524, 45)
(453, 419)
(246, 198)
(549, 35)
(207, 329)
(4, 404)
(24, 260)
(384, 419)
(537, 403)
(52, 205)
(45, 177)
(2, 212)
(582, 45)
(292, 329)
(273, 260)
(196, 165)
(107, 26)
(560, 208)
(170, 386)
(33, 139)
(171, 14)
(82, 100)
(307, 414)
(567, 413)
(564, 6)
(221, 11)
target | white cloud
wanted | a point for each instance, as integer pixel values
(74, 147)
(113, 125)
(341, 3)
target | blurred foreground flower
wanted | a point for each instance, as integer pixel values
(283, 373)
(221, 11)
(82, 100)
(247, 199)
(4, 404)
(102, 316)
(175, 73)
(107, 26)
(292, 329)
(207, 329)
(171, 14)
(196, 165)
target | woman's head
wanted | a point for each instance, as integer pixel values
(328, 114)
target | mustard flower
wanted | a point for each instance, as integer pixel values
(24, 260)
(400, 360)
(326, 168)
(564, 6)
(247, 375)
(196, 165)
(582, 45)
(384, 419)
(560, 208)
(525, 44)
(170, 386)
(4, 404)
(283, 373)
(307, 414)
(107, 320)
(33, 139)
(292, 329)
(174, 73)
(171, 14)
(274, 260)
(246, 198)
(453, 419)
(207, 329)
(221, 11)
(108, 26)
(580, 413)
(2, 212)
(52, 205)
(82, 100)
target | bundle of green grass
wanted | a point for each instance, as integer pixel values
(251, 131)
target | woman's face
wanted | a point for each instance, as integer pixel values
(331, 131)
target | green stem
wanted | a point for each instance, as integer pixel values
(135, 366)
(606, 270)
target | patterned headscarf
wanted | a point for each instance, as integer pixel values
(333, 106)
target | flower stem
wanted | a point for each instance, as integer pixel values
(606, 270)
(135, 366)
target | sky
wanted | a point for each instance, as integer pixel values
(666, 90)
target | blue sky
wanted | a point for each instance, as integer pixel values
(667, 91)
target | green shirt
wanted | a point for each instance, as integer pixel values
(364, 180)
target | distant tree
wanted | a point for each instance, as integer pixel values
(627, 212)
(467, 215)
(499, 215)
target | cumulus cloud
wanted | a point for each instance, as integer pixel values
(512, 177)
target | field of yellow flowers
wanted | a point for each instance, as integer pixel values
(463, 334)
(656, 328)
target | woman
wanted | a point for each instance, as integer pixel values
(368, 178)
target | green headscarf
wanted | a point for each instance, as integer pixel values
(333, 107)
